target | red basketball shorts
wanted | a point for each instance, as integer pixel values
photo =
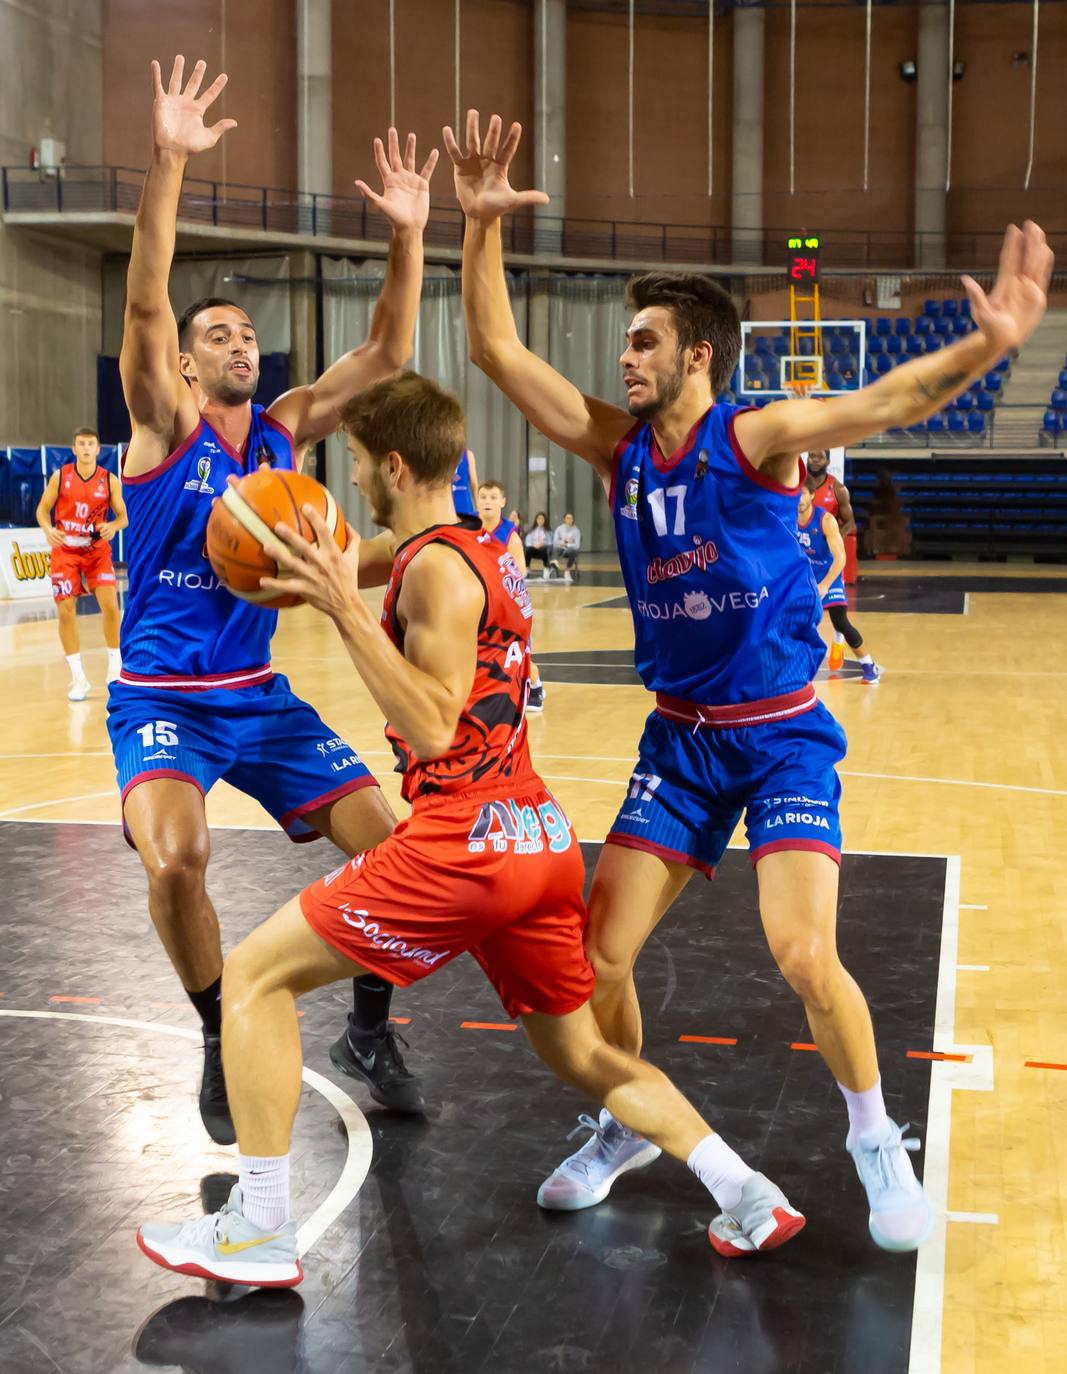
(499, 878)
(70, 565)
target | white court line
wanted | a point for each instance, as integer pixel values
(927, 1311)
(360, 1144)
(972, 906)
(972, 968)
(966, 603)
(959, 782)
(980, 1218)
(56, 801)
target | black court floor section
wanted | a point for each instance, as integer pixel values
(443, 1264)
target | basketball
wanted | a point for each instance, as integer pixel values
(245, 516)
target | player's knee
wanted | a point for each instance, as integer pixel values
(244, 977)
(176, 868)
(613, 967)
(810, 967)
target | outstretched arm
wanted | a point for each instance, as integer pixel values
(423, 690)
(312, 412)
(1004, 320)
(160, 405)
(836, 546)
(581, 424)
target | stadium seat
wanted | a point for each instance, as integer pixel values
(935, 424)
(962, 324)
(965, 307)
(950, 309)
(903, 325)
(975, 423)
(894, 344)
(986, 400)
(1059, 399)
(834, 380)
(1063, 377)
(932, 309)
(944, 327)
(1003, 366)
(837, 344)
(993, 381)
(934, 342)
(965, 402)
(924, 324)
(957, 423)
(916, 346)
(883, 326)
(875, 345)
(781, 347)
(882, 364)
(1052, 423)
(917, 429)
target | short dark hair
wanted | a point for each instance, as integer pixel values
(87, 431)
(702, 311)
(190, 313)
(497, 486)
(412, 416)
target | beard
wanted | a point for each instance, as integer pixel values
(668, 389)
(380, 502)
(233, 390)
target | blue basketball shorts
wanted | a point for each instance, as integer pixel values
(263, 740)
(835, 593)
(693, 782)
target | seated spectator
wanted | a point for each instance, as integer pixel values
(516, 520)
(566, 541)
(539, 542)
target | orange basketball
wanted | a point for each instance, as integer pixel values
(245, 515)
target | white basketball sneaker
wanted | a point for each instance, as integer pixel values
(79, 689)
(226, 1247)
(587, 1176)
(901, 1216)
(761, 1221)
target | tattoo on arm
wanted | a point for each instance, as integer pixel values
(946, 382)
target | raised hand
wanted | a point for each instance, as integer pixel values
(481, 173)
(321, 573)
(1012, 310)
(405, 195)
(178, 116)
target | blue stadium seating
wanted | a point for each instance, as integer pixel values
(993, 381)
(883, 326)
(924, 325)
(1063, 377)
(965, 402)
(944, 327)
(1059, 399)
(935, 424)
(916, 345)
(894, 344)
(950, 309)
(985, 400)
(975, 423)
(903, 324)
(1053, 423)
(932, 309)
(875, 345)
(957, 424)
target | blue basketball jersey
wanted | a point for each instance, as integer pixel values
(180, 622)
(813, 542)
(503, 531)
(724, 605)
(461, 488)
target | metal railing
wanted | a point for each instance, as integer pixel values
(110, 190)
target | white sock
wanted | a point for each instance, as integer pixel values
(74, 663)
(721, 1170)
(114, 660)
(866, 1111)
(839, 638)
(265, 1189)
(866, 658)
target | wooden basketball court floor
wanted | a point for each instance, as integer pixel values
(953, 914)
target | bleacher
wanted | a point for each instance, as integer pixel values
(891, 340)
(993, 507)
(1054, 425)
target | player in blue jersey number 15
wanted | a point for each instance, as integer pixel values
(704, 500)
(197, 699)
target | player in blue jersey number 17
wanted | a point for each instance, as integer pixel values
(197, 699)
(704, 500)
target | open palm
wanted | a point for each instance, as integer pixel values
(178, 116)
(405, 194)
(482, 186)
(1012, 310)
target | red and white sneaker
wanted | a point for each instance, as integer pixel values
(761, 1221)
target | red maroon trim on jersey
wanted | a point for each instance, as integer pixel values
(151, 775)
(662, 464)
(812, 846)
(167, 463)
(740, 714)
(754, 474)
(207, 682)
(327, 799)
(616, 458)
(269, 419)
(661, 851)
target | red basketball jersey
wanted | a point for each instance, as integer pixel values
(82, 504)
(825, 496)
(490, 744)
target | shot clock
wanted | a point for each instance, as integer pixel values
(802, 259)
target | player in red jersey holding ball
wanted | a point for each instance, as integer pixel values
(75, 513)
(487, 862)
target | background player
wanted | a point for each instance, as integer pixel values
(831, 495)
(197, 699)
(737, 727)
(820, 538)
(487, 862)
(465, 485)
(73, 512)
(492, 498)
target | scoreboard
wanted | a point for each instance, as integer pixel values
(802, 259)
